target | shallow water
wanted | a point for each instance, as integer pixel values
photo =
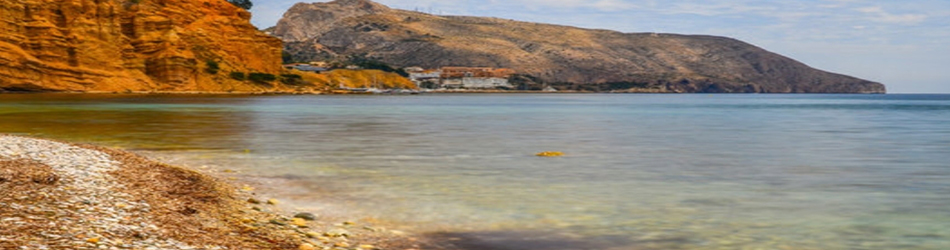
(641, 171)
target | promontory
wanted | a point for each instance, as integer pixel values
(542, 54)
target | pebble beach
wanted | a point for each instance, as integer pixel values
(59, 195)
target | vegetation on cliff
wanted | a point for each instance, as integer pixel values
(122, 45)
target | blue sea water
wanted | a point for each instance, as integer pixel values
(641, 171)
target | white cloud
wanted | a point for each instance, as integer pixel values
(878, 14)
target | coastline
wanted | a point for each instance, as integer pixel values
(447, 91)
(61, 195)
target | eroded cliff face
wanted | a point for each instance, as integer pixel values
(579, 59)
(120, 45)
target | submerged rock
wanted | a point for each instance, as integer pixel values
(550, 154)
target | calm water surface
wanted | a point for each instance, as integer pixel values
(641, 171)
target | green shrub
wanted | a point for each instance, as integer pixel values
(292, 79)
(240, 76)
(213, 67)
(246, 4)
(261, 77)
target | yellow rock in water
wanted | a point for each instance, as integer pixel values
(306, 246)
(550, 154)
(93, 240)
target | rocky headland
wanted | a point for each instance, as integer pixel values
(568, 58)
(132, 46)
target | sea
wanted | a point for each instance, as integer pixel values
(639, 171)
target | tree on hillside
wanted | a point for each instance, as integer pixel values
(246, 4)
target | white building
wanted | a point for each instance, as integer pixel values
(485, 83)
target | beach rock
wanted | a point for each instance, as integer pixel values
(272, 202)
(550, 154)
(253, 201)
(306, 216)
(277, 222)
(337, 233)
(298, 222)
(313, 234)
(306, 246)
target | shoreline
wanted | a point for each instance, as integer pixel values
(436, 92)
(63, 195)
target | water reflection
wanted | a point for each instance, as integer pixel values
(642, 171)
(136, 122)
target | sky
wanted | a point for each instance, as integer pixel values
(903, 44)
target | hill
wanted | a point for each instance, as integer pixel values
(566, 57)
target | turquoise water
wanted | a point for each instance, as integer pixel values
(641, 171)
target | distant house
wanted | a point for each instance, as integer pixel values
(476, 77)
(427, 79)
(413, 69)
(485, 83)
(292, 65)
(309, 68)
(453, 83)
(320, 64)
(425, 75)
(460, 77)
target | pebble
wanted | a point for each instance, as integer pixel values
(306, 216)
(273, 202)
(253, 201)
(298, 222)
(337, 233)
(277, 222)
(92, 201)
(306, 246)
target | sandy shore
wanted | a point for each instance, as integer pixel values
(56, 195)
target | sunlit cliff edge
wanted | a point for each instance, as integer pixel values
(125, 46)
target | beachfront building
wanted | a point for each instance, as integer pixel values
(428, 79)
(305, 67)
(460, 77)
(310, 68)
(475, 78)
(485, 83)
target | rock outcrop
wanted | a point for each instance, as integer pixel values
(131, 45)
(565, 57)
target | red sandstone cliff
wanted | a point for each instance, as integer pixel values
(121, 45)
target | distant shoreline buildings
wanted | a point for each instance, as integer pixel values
(461, 77)
(441, 78)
